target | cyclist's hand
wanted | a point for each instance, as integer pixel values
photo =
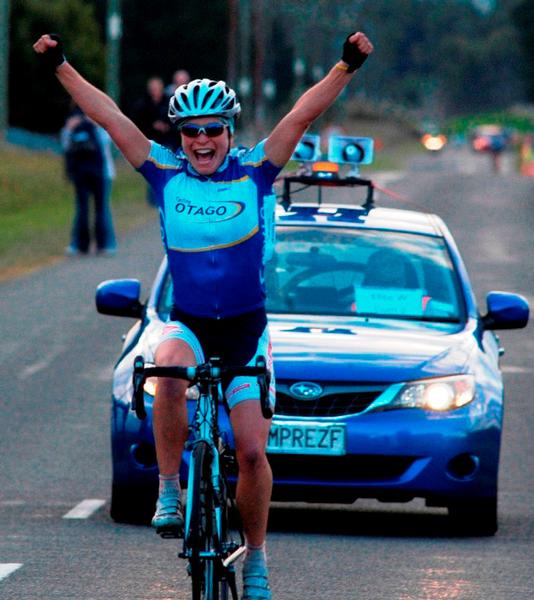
(49, 47)
(356, 49)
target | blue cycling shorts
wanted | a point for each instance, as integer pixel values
(235, 340)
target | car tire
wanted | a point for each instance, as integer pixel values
(133, 504)
(475, 517)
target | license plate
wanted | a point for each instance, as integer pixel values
(306, 438)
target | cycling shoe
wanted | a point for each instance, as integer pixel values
(256, 580)
(168, 521)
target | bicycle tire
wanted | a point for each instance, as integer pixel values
(204, 579)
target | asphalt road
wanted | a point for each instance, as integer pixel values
(56, 359)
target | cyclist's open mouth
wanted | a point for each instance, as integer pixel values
(204, 156)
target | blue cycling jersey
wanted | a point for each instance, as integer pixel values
(218, 231)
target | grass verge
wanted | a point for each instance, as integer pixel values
(37, 206)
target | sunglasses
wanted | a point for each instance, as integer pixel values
(191, 130)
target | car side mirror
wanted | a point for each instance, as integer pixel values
(505, 311)
(119, 298)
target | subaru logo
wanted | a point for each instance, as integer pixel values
(306, 390)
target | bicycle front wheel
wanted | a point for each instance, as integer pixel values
(200, 540)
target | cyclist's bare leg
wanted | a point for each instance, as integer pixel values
(254, 488)
(254, 485)
(170, 409)
(170, 434)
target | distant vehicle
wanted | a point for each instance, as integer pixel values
(387, 373)
(434, 142)
(489, 138)
(493, 140)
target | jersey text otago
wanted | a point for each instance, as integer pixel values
(227, 210)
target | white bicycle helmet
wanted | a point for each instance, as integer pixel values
(203, 98)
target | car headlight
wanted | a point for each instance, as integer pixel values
(152, 382)
(150, 386)
(439, 394)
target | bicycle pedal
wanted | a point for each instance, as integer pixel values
(170, 533)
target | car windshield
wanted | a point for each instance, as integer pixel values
(349, 272)
(370, 273)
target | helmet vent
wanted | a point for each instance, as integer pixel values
(184, 98)
(208, 99)
(217, 98)
(195, 95)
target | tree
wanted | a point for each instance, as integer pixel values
(188, 35)
(444, 56)
(176, 35)
(523, 17)
(36, 100)
(438, 55)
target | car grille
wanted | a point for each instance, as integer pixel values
(364, 468)
(334, 404)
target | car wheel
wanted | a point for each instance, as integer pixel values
(134, 504)
(475, 517)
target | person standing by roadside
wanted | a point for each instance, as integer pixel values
(89, 165)
(149, 113)
(179, 77)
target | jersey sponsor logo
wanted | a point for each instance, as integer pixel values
(204, 213)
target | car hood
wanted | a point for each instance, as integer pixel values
(381, 351)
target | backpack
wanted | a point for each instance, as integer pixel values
(82, 143)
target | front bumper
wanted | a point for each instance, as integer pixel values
(393, 456)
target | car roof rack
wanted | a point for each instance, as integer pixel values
(321, 181)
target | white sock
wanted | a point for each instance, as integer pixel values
(256, 552)
(169, 481)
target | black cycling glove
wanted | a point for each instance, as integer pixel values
(53, 57)
(352, 55)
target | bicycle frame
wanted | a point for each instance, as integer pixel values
(205, 430)
(215, 562)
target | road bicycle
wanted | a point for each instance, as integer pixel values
(209, 545)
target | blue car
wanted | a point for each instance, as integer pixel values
(387, 374)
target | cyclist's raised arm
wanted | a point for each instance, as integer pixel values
(95, 104)
(286, 135)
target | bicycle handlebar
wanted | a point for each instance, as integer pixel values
(209, 372)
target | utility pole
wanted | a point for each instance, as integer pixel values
(258, 25)
(114, 34)
(244, 81)
(4, 67)
(233, 29)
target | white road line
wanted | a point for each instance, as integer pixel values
(514, 369)
(33, 368)
(41, 365)
(85, 509)
(386, 177)
(7, 568)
